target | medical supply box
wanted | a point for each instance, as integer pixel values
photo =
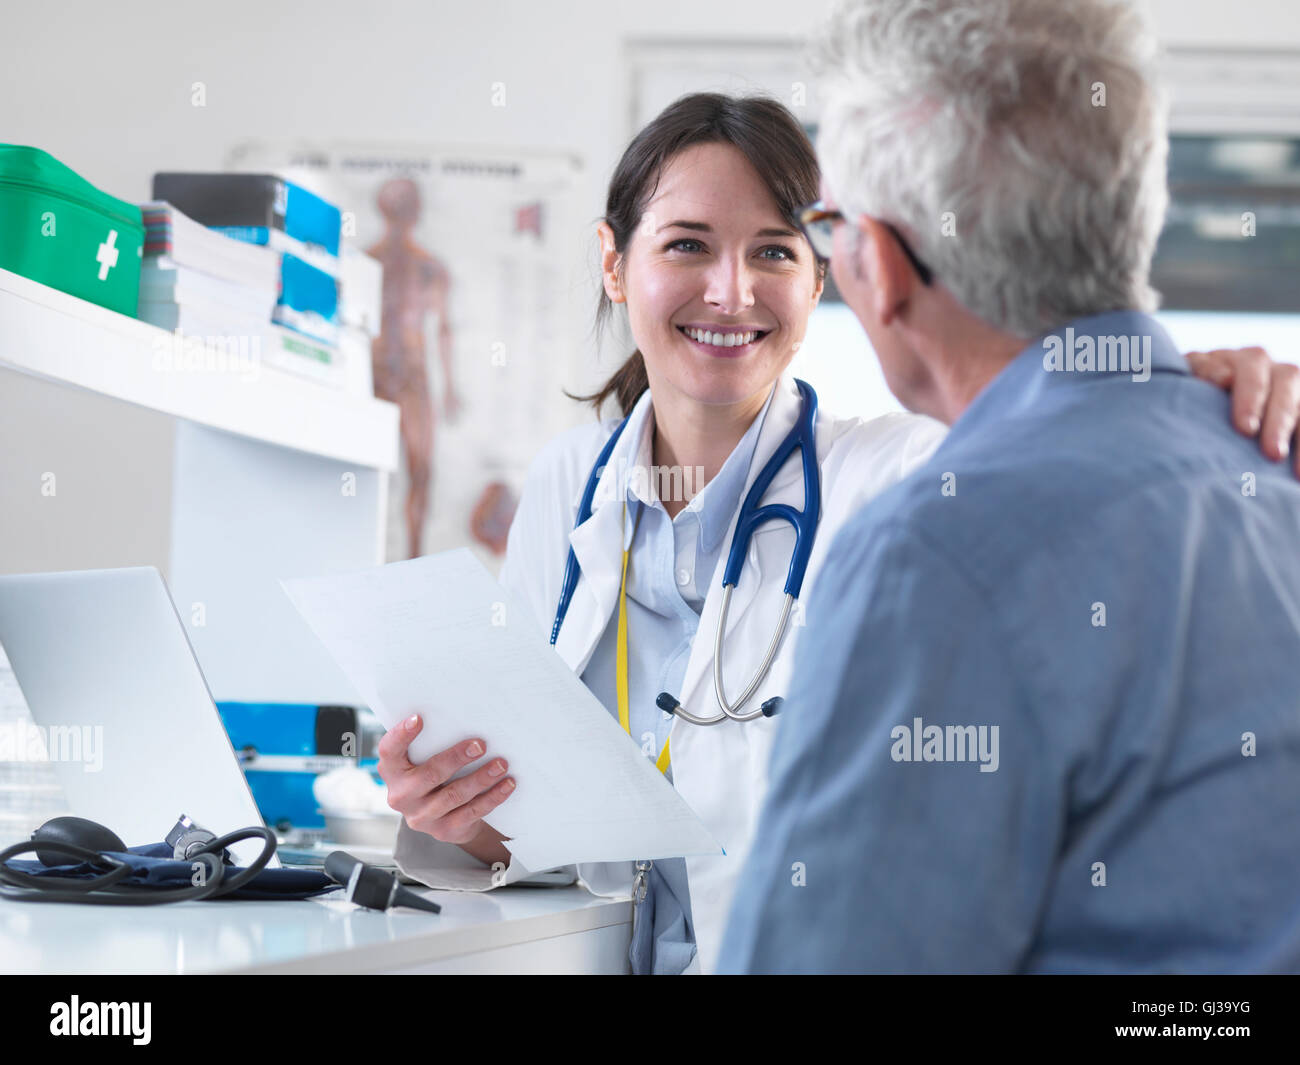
(58, 229)
(253, 202)
(283, 747)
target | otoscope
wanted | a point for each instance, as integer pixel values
(373, 888)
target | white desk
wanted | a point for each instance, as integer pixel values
(510, 930)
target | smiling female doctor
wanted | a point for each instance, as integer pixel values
(699, 241)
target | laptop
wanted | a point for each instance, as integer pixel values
(112, 683)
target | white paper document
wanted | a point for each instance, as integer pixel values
(438, 637)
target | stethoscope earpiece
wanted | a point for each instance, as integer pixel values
(667, 703)
(670, 705)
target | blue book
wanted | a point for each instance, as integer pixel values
(256, 200)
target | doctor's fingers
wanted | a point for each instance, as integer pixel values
(1246, 373)
(394, 744)
(410, 785)
(458, 793)
(462, 822)
(1265, 394)
(1282, 413)
(394, 758)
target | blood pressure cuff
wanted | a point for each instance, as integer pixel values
(152, 866)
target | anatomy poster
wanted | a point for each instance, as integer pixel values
(477, 337)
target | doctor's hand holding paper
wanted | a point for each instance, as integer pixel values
(703, 243)
(430, 802)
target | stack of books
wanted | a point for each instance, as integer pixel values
(301, 231)
(202, 283)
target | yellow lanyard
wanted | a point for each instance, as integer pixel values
(624, 717)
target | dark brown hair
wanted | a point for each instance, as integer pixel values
(764, 131)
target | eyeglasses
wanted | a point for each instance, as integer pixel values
(818, 225)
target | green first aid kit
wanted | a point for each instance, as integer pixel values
(58, 229)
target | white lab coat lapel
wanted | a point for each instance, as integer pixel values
(598, 543)
(720, 770)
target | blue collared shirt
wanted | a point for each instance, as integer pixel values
(670, 568)
(1102, 570)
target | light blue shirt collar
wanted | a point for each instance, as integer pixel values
(1070, 355)
(714, 504)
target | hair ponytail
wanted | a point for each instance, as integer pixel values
(627, 384)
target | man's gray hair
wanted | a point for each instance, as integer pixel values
(1021, 144)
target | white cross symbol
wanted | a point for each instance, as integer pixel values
(107, 255)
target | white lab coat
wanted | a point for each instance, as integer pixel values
(720, 770)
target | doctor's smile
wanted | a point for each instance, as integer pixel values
(726, 341)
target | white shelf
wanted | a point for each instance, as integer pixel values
(61, 338)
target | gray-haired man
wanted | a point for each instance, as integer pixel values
(1045, 714)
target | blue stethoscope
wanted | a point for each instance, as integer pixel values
(751, 516)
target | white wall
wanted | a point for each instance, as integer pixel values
(106, 87)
